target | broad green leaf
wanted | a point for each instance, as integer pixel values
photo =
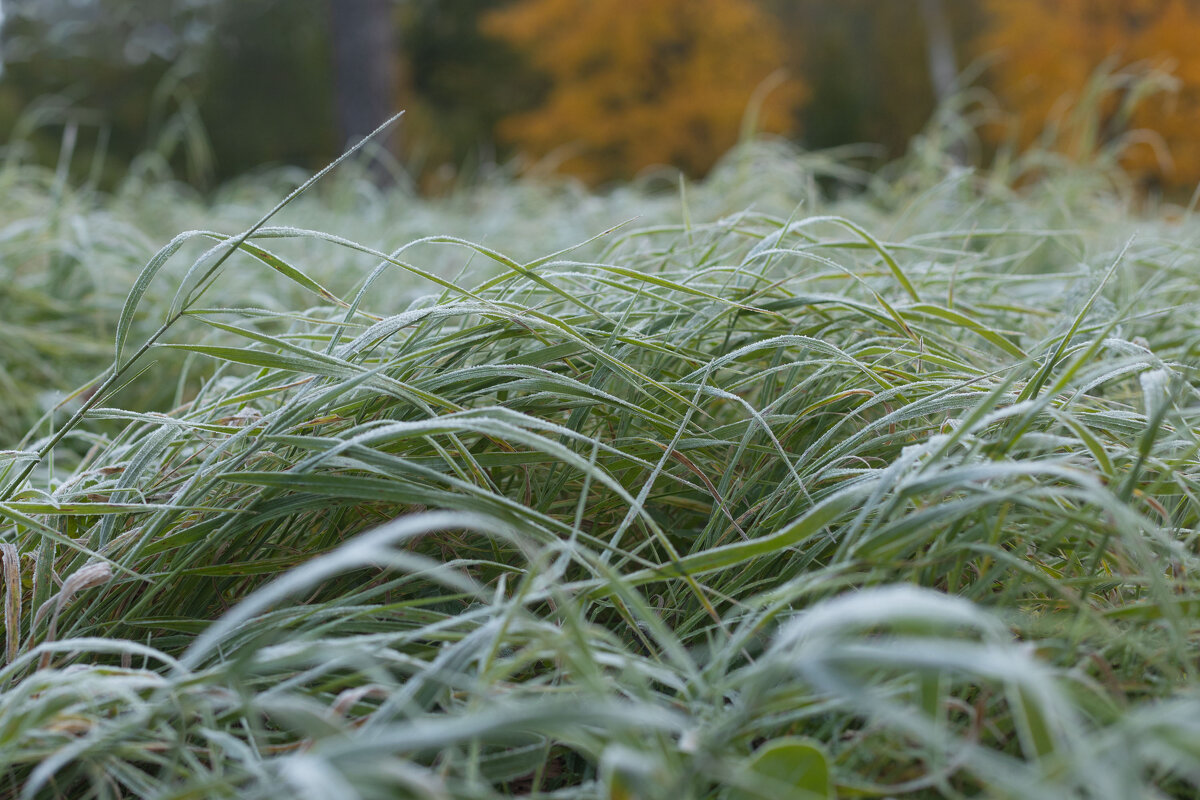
(789, 768)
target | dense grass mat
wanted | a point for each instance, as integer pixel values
(895, 500)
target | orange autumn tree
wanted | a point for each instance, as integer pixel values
(634, 84)
(1049, 50)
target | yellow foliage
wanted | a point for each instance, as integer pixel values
(1049, 50)
(642, 82)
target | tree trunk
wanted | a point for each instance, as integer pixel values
(363, 37)
(943, 66)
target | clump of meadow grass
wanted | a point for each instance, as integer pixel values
(753, 505)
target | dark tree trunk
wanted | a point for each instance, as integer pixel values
(363, 36)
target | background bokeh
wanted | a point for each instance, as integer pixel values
(600, 89)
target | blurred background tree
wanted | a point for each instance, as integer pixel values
(1048, 55)
(218, 87)
(213, 88)
(867, 63)
(366, 62)
(461, 83)
(637, 85)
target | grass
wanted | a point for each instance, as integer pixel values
(761, 494)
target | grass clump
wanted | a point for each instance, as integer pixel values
(894, 500)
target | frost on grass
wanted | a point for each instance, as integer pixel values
(447, 499)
